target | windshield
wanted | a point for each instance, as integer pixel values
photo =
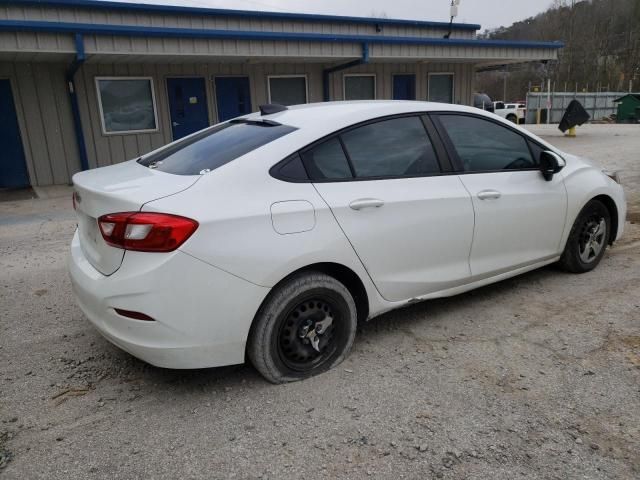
(215, 146)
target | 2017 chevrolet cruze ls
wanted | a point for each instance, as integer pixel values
(271, 235)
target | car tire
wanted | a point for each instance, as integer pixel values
(588, 239)
(306, 326)
(512, 118)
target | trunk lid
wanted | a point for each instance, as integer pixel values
(124, 187)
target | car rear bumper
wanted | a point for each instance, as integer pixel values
(202, 314)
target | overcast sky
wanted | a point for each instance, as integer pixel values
(488, 13)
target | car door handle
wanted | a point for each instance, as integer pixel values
(175, 124)
(366, 203)
(489, 195)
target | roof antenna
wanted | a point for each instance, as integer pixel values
(453, 14)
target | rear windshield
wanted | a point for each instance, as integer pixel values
(215, 146)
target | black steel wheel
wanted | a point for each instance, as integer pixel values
(305, 327)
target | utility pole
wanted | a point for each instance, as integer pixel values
(549, 101)
(504, 87)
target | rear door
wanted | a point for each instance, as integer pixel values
(410, 225)
(519, 216)
(404, 87)
(233, 97)
(187, 105)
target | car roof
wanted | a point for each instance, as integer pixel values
(337, 115)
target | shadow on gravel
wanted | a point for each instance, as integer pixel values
(136, 372)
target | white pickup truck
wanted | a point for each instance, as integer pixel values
(514, 112)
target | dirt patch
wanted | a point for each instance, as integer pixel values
(629, 345)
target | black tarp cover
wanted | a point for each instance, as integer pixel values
(575, 115)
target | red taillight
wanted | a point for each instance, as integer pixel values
(146, 232)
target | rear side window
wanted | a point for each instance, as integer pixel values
(485, 146)
(215, 147)
(391, 148)
(327, 161)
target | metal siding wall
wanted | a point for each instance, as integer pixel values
(43, 104)
(114, 17)
(46, 124)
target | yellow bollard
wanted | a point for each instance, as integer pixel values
(571, 132)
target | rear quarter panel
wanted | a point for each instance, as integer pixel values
(233, 205)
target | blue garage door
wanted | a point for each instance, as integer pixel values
(13, 170)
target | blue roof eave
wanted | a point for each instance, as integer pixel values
(255, 14)
(139, 31)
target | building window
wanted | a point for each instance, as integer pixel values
(127, 104)
(441, 87)
(359, 87)
(288, 89)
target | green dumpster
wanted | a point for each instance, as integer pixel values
(628, 108)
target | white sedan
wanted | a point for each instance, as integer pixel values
(270, 236)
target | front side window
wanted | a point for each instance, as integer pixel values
(288, 90)
(127, 104)
(485, 146)
(441, 87)
(214, 147)
(391, 148)
(359, 87)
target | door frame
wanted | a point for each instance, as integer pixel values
(166, 91)
(215, 92)
(17, 106)
(415, 86)
(453, 84)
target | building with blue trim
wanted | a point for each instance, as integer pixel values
(86, 83)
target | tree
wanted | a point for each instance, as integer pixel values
(602, 44)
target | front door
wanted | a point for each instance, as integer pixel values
(187, 106)
(404, 87)
(519, 216)
(233, 97)
(13, 170)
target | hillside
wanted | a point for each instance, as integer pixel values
(602, 47)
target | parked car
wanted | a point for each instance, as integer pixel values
(514, 112)
(483, 102)
(273, 234)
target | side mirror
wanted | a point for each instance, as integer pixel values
(550, 164)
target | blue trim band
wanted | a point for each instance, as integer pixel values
(174, 9)
(135, 31)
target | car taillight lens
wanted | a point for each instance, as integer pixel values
(146, 232)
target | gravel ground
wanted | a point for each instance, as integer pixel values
(536, 377)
